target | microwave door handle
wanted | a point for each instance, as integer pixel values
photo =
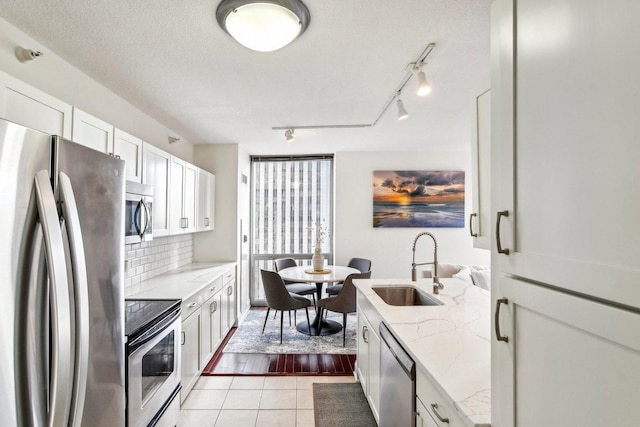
(146, 218)
(81, 297)
(61, 345)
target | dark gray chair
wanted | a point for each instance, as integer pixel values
(280, 299)
(361, 264)
(294, 287)
(344, 302)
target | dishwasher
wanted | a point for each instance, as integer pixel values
(397, 382)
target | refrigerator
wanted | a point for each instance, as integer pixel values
(61, 282)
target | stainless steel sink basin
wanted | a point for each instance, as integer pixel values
(405, 296)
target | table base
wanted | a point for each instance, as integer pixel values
(328, 327)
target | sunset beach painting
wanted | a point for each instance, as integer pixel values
(418, 199)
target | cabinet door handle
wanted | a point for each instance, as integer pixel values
(215, 307)
(206, 222)
(500, 215)
(184, 338)
(434, 406)
(497, 319)
(471, 225)
(365, 333)
(229, 290)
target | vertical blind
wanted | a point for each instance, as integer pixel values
(290, 196)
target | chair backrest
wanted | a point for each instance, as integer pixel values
(345, 301)
(283, 263)
(276, 293)
(361, 264)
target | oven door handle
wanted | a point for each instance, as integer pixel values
(154, 331)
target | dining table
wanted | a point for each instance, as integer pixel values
(329, 274)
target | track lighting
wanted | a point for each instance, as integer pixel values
(25, 55)
(423, 85)
(402, 113)
(288, 134)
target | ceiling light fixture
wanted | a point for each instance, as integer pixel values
(289, 135)
(402, 113)
(263, 25)
(423, 86)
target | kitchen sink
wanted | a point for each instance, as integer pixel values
(404, 296)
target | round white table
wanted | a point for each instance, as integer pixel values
(335, 273)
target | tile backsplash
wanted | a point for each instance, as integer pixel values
(149, 259)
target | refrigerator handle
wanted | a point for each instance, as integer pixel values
(61, 369)
(81, 298)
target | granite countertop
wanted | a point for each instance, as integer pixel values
(450, 343)
(181, 283)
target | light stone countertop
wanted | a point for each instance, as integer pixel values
(451, 343)
(181, 283)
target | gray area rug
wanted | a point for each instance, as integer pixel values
(338, 405)
(249, 339)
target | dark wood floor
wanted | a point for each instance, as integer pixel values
(278, 364)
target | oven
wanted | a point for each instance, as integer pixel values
(138, 207)
(153, 362)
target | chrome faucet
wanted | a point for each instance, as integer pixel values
(436, 281)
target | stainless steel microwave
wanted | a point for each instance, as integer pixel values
(138, 225)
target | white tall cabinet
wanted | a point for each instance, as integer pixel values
(206, 200)
(183, 196)
(481, 216)
(565, 276)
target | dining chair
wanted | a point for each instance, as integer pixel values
(344, 302)
(295, 287)
(280, 299)
(361, 264)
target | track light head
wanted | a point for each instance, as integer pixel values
(288, 134)
(423, 85)
(402, 113)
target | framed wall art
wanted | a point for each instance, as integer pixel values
(418, 199)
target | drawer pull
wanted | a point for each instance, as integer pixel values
(497, 319)
(192, 304)
(211, 289)
(434, 406)
(498, 243)
(471, 225)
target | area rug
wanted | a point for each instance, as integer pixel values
(249, 339)
(341, 404)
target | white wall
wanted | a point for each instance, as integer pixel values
(390, 248)
(55, 76)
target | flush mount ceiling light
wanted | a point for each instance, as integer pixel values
(263, 25)
(288, 134)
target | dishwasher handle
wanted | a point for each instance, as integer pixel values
(403, 358)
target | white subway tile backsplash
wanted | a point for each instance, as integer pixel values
(162, 254)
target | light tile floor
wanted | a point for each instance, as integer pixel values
(252, 401)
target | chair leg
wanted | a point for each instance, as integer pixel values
(314, 301)
(295, 317)
(265, 319)
(308, 323)
(289, 318)
(275, 313)
(281, 322)
(344, 328)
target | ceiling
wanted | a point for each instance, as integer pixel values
(170, 59)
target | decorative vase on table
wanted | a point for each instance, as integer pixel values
(317, 259)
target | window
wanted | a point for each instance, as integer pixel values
(289, 195)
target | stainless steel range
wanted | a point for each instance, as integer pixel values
(153, 362)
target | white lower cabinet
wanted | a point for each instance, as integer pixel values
(423, 418)
(190, 353)
(368, 355)
(436, 406)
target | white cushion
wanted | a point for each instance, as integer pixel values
(482, 279)
(464, 274)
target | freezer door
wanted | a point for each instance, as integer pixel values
(98, 186)
(23, 152)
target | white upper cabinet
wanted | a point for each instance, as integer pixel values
(206, 200)
(24, 104)
(481, 217)
(183, 194)
(92, 132)
(129, 148)
(565, 128)
(156, 171)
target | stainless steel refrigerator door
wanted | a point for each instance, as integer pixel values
(24, 297)
(98, 185)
